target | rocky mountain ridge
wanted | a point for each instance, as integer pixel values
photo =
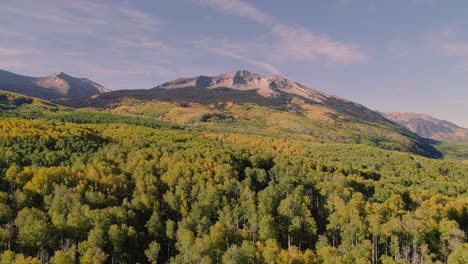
(57, 85)
(429, 127)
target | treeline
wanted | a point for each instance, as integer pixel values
(115, 193)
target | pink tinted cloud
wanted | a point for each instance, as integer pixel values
(236, 51)
(239, 8)
(13, 52)
(292, 42)
(455, 49)
(298, 43)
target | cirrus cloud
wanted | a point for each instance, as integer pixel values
(291, 43)
(448, 44)
(298, 43)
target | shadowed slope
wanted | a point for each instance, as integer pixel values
(58, 85)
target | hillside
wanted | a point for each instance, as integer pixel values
(429, 127)
(275, 89)
(13, 105)
(58, 85)
(129, 193)
(250, 103)
(218, 183)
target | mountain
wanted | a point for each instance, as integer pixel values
(244, 80)
(243, 87)
(245, 102)
(429, 127)
(58, 85)
(273, 87)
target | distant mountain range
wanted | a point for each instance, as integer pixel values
(331, 117)
(429, 127)
(239, 87)
(243, 80)
(251, 101)
(58, 85)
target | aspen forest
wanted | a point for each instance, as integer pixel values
(119, 193)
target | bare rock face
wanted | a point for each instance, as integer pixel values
(245, 80)
(58, 85)
(429, 127)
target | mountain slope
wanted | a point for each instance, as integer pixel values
(244, 80)
(242, 87)
(277, 89)
(58, 85)
(429, 127)
(244, 102)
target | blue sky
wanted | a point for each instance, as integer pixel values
(408, 55)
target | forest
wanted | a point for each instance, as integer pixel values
(128, 193)
(186, 184)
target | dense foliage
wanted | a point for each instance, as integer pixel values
(454, 150)
(21, 106)
(313, 122)
(118, 193)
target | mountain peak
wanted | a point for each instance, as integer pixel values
(246, 74)
(428, 126)
(57, 85)
(240, 73)
(245, 80)
(60, 75)
(239, 76)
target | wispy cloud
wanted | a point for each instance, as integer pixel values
(431, 3)
(239, 8)
(152, 44)
(448, 44)
(234, 51)
(83, 11)
(399, 49)
(298, 43)
(12, 52)
(463, 66)
(19, 66)
(459, 51)
(53, 35)
(80, 23)
(291, 43)
(110, 42)
(455, 49)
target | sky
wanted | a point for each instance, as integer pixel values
(391, 56)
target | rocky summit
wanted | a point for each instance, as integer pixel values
(57, 85)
